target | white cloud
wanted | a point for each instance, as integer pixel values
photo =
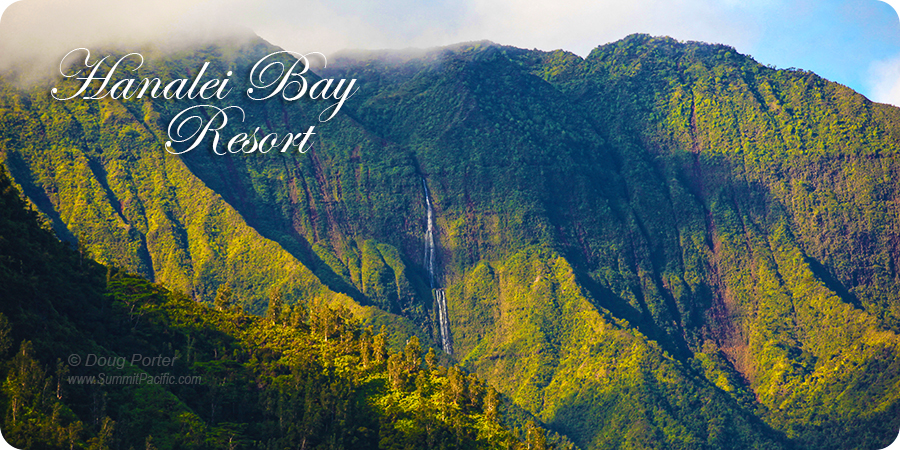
(575, 25)
(30, 27)
(884, 75)
(884, 80)
(581, 25)
(785, 32)
(35, 34)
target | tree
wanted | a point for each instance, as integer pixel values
(412, 354)
(223, 297)
(104, 437)
(491, 403)
(365, 348)
(299, 315)
(25, 381)
(5, 338)
(396, 372)
(456, 383)
(536, 438)
(430, 359)
(379, 347)
(276, 305)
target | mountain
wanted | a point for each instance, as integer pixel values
(93, 358)
(663, 244)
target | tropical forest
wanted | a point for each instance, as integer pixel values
(661, 245)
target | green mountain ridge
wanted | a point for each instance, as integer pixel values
(93, 358)
(661, 244)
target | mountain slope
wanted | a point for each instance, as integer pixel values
(686, 208)
(92, 358)
(665, 238)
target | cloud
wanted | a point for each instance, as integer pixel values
(884, 80)
(575, 25)
(581, 25)
(884, 75)
(31, 28)
(839, 39)
(35, 34)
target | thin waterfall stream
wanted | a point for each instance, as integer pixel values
(436, 291)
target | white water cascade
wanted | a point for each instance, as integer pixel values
(443, 320)
(429, 238)
(437, 292)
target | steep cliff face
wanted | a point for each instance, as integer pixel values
(93, 358)
(663, 242)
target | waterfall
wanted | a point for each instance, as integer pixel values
(437, 292)
(444, 321)
(429, 238)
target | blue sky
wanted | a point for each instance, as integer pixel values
(854, 42)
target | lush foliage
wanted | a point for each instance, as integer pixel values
(663, 244)
(302, 377)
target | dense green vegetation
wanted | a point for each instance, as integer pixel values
(301, 377)
(662, 245)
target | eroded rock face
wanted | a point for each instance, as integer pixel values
(656, 238)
